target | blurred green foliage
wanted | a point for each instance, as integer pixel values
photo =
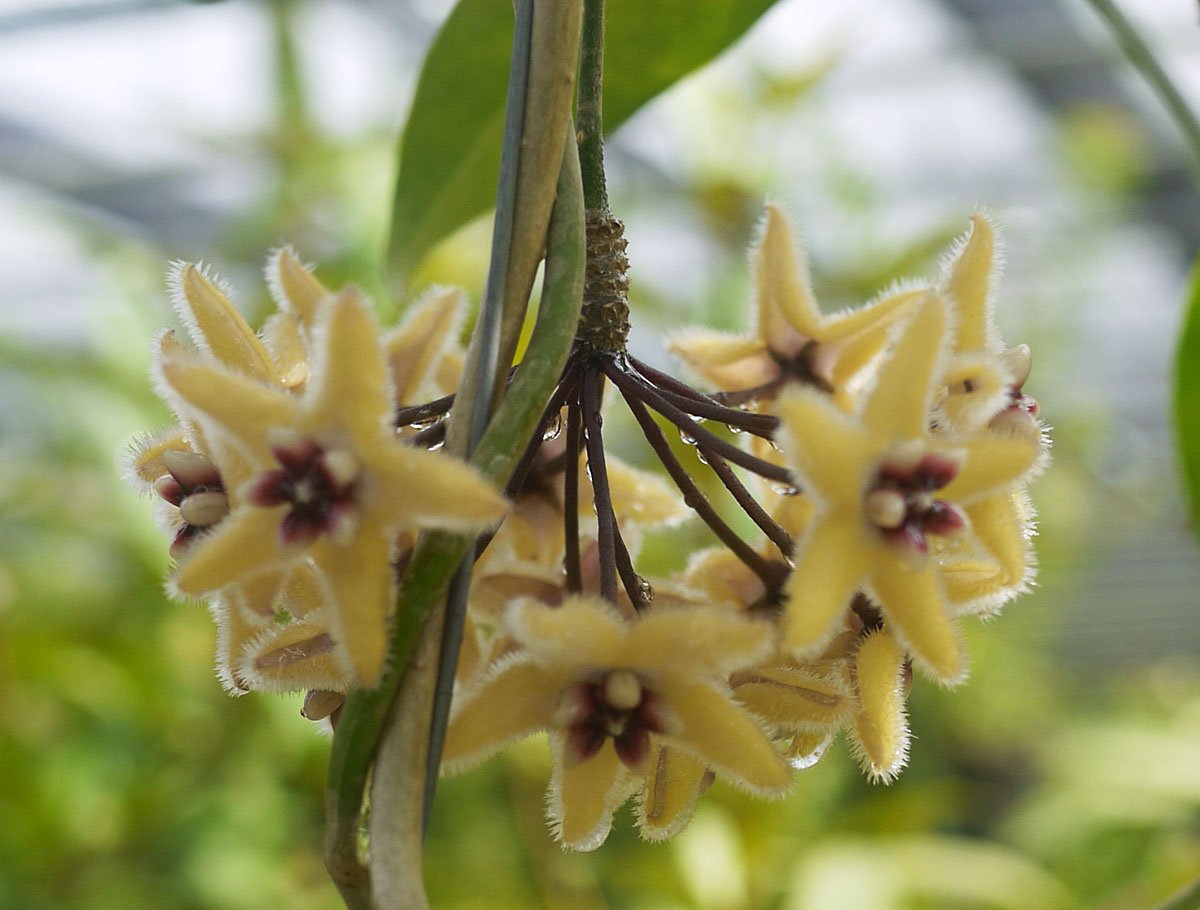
(128, 779)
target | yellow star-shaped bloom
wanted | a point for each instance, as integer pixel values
(612, 693)
(881, 484)
(791, 337)
(983, 395)
(330, 480)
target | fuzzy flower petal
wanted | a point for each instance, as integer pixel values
(717, 730)
(330, 477)
(882, 493)
(881, 726)
(215, 325)
(791, 335)
(670, 794)
(591, 792)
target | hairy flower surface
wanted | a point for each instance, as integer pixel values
(984, 394)
(883, 485)
(792, 338)
(880, 724)
(612, 693)
(330, 481)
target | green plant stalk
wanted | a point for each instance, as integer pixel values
(1187, 396)
(541, 82)
(590, 109)
(549, 93)
(1187, 899)
(437, 555)
(1140, 55)
(409, 754)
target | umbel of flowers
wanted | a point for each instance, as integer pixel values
(881, 453)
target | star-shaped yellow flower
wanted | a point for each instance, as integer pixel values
(330, 478)
(881, 484)
(792, 338)
(984, 394)
(611, 693)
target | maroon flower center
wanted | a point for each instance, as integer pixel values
(193, 485)
(618, 707)
(317, 483)
(901, 503)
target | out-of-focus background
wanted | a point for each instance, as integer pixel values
(1063, 774)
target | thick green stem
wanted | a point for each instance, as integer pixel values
(590, 110)
(1143, 58)
(437, 555)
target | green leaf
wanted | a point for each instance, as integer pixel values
(450, 150)
(1187, 396)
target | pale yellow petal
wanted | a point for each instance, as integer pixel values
(303, 591)
(967, 569)
(1002, 525)
(360, 584)
(723, 578)
(240, 407)
(719, 732)
(430, 489)
(993, 463)
(584, 797)
(244, 543)
(643, 498)
(871, 318)
(500, 582)
(416, 345)
(294, 287)
(977, 389)
(788, 315)
(881, 726)
(916, 610)
(234, 633)
(968, 282)
(258, 594)
(794, 698)
(724, 360)
(513, 700)
(289, 658)
(146, 455)
(861, 335)
(583, 632)
(807, 748)
(289, 354)
(831, 563)
(856, 353)
(897, 408)
(215, 324)
(350, 385)
(447, 375)
(829, 451)
(669, 794)
(793, 513)
(533, 531)
(705, 641)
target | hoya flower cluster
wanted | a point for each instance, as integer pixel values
(880, 453)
